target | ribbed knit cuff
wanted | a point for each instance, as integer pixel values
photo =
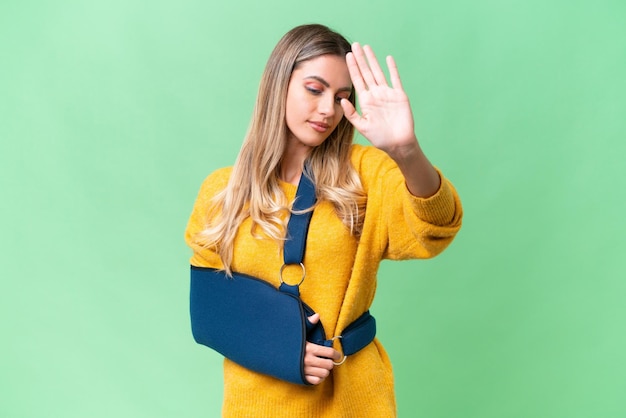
(437, 209)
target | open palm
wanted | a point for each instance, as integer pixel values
(386, 119)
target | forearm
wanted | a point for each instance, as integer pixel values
(421, 178)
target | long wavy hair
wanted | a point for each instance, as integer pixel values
(254, 189)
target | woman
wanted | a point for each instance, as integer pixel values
(384, 201)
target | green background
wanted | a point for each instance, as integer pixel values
(112, 113)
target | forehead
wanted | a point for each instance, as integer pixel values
(331, 68)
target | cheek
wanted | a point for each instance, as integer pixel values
(299, 104)
(339, 114)
(292, 108)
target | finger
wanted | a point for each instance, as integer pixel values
(377, 72)
(311, 322)
(317, 371)
(393, 73)
(355, 73)
(314, 362)
(349, 111)
(314, 380)
(320, 351)
(364, 68)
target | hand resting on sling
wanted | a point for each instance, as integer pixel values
(318, 360)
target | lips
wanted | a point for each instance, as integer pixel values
(319, 126)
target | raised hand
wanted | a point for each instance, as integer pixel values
(386, 119)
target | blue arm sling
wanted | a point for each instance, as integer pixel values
(258, 326)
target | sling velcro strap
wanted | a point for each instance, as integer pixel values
(355, 337)
(358, 334)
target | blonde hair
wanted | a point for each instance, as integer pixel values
(253, 189)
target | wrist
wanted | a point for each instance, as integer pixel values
(422, 180)
(407, 153)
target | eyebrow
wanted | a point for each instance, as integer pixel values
(326, 84)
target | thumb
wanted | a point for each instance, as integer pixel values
(349, 111)
(314, 319)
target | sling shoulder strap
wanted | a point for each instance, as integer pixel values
(298, 225)
(363, 330)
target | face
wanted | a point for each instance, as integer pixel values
(313, 108)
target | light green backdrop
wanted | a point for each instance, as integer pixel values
(112, 112)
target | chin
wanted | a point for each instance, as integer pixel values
(308, 140)
(315, 143)
(312, 142)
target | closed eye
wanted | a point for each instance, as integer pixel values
(314, 91)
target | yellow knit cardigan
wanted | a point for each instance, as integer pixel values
(340, 285)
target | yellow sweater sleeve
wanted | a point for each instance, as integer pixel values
(212, 185)
(405, 226)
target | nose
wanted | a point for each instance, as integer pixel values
(326, 105)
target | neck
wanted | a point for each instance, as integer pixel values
(291, 173)
(293, 161)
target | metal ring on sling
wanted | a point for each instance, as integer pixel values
(344, 356)
(283, 268)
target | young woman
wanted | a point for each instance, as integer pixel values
(384, 201)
